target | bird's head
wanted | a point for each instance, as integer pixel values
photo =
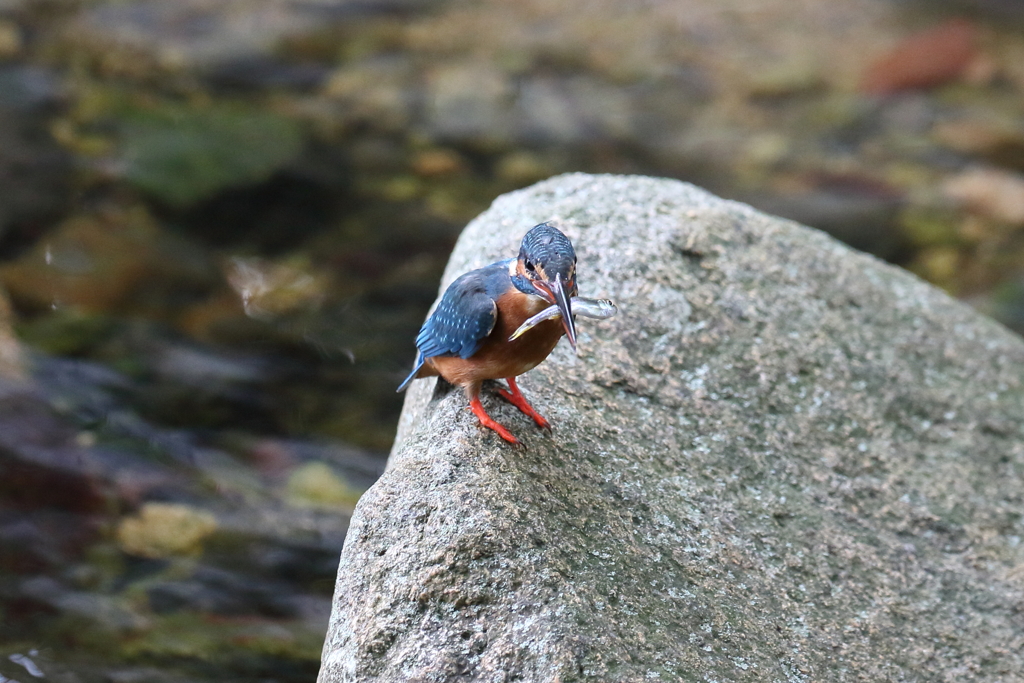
(547, 268)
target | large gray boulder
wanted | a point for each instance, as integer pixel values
(783, 461)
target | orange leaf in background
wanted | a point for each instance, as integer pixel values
(924, 60)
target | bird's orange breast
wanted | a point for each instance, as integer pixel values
(497, 357)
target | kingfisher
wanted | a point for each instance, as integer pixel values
(475, 332)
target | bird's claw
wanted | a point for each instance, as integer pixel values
(520, 402)
(489, 422)
(505, 434)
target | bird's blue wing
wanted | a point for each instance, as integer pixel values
(465, 316)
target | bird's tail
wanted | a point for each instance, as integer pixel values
(412, 375)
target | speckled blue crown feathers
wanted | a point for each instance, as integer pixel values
(546, 244)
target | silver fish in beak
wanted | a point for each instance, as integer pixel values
(598, 309)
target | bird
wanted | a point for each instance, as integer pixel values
(466, 340)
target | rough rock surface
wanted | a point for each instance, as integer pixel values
(783, 461)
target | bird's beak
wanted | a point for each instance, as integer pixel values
(560, 297)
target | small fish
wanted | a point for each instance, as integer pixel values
(599, 309)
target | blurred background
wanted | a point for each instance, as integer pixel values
(222, 222)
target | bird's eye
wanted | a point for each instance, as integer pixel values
(529, 266)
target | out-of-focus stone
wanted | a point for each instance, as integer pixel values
(162, 530)
(990, 192)
(316, 484)
(470, 101)
(572, 110)
(933, 57)
(10, 39)
(438, 162)
(117, 259)
(787, 78)
(201, 34)
(380, 91)
(997, 140)
(184, 154)
(11, 362)
(522, 167)
(41, 463)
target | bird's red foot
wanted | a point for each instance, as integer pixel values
(487, 421)
(516, 398)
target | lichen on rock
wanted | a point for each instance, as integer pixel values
(782, 461)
